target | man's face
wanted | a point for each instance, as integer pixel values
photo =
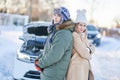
(56, 18)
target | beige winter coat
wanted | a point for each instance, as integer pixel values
(80, 68)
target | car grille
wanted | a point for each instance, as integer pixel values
(32, 74)
(32, 59)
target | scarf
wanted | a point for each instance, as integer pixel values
(51, 31)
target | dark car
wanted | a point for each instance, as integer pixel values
(34, 38)
(94, 35)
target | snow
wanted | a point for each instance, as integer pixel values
(9, 43)
(105, 61)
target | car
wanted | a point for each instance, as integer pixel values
(34, 38)
(94, 35)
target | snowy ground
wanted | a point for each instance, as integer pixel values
(105, 61)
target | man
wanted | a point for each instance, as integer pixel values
(58, 48)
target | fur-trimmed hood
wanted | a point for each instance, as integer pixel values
(66, 25)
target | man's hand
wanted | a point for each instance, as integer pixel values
(36, 65)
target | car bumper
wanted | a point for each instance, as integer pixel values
(95, 40)
(21, 69)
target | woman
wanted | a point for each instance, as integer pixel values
(79, 68)
(58, 48)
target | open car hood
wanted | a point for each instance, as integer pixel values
(35, 30)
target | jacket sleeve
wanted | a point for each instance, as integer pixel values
(56, 52)
(80, 47)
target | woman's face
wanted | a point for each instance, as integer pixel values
(81, 27)
(56, 18)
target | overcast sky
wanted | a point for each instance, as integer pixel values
(104, 10)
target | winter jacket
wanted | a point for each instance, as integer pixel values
(57, 54)
(80, 68)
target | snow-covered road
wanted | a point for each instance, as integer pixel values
(105, 61)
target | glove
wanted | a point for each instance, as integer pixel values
(36, 65)
(88, 49)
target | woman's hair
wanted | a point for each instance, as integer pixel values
(75, 27)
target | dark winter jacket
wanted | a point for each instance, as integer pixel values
(56, 56)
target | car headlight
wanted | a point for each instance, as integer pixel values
(23, 57)
(98, 35)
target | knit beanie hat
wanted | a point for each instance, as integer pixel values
(63, 12)
(81, 17)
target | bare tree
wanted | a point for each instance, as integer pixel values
(116, 20)
(94, 5)
(47, 7)
(30, 11)
(54, 3)
(36, 9)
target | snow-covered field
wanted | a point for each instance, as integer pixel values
(105, 61)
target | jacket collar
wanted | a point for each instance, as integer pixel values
(66, 25)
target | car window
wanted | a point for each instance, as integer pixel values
(91, 28)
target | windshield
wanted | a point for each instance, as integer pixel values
(91, 28)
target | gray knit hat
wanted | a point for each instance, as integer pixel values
(81, 17)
